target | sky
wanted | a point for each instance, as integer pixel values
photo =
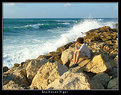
(59, 10)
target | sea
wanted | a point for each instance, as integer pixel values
(27, 38)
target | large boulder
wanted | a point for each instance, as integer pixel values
(33, 66)
(71, 81)
(98, 64)
(47, 74)
(17, 76)
(67, 56)
(113, 84)
(102, 78)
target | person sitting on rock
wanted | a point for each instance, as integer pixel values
(81, 50)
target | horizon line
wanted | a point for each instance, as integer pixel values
(57, 17)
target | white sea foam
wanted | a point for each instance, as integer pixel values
(43, 47)
(35, 26)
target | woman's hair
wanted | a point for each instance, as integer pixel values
(80, 40)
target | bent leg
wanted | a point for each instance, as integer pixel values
(74, 57)
(77, 58)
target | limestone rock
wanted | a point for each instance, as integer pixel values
(104, 35)
(98, 64)
(55, 57)
(113, 84)
(47, 74)
(62, 48)
(102, 78)
(105, 28)
(67, 56)
(44, 56)
(33, 66)
(17, 76)
(11, 85)
(71, 81)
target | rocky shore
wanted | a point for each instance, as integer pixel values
(52, 71)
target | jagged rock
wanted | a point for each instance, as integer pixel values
(55, 57)
(98, 64)
(16, 76)
(62, 48)
(47, 74)
(44, 56)
(113, 84)
(67, 56)
(71, 81)
(105, 29)
(102, 78)
(16, 65)
(33, 66)
(11, 85)
(104, 34)
(5, 69)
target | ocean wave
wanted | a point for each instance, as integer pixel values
(42, 26)
(36, 26)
